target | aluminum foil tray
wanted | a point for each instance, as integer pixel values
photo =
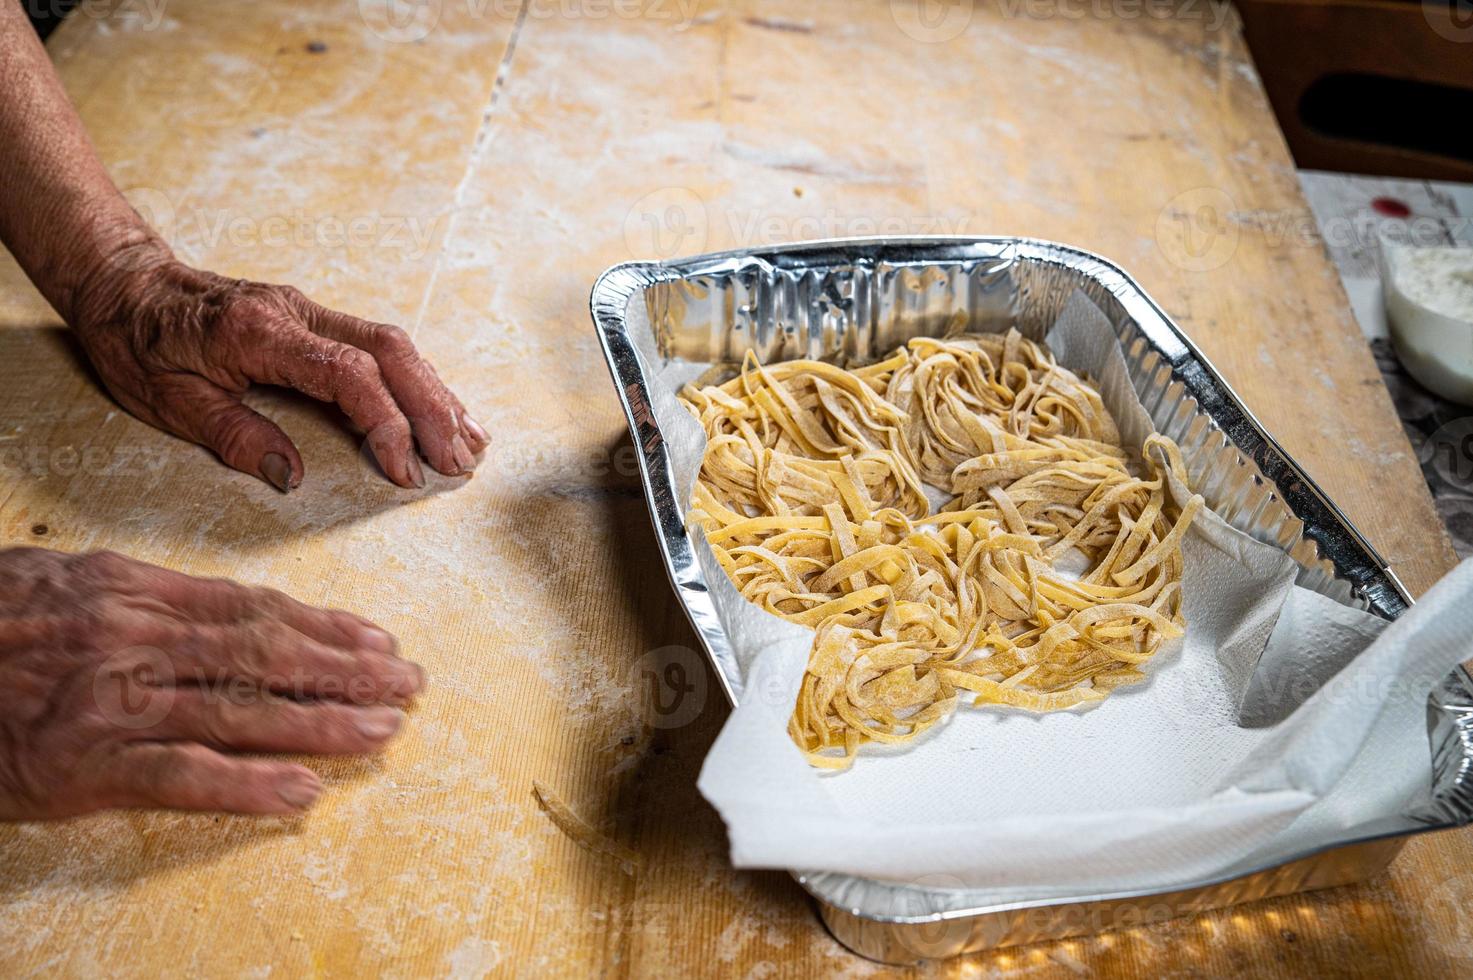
(853, 301)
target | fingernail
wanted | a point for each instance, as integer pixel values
(377, 639)
(416, 675)
(416, 472)
(403, 680)
(463, 456)
(300, 790)
(277, 471)
(379, 723)
(475, 428)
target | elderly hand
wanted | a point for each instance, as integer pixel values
(129, 685)
(178, 347)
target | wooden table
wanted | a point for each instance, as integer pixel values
(529, 149)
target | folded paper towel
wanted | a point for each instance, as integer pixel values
(1164, 782)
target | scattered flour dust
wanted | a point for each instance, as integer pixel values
(1060, 954)
(473, 959)
(738, 932)
(1381, 457)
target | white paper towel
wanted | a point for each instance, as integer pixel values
(1163, 782)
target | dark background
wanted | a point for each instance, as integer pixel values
(46, 14)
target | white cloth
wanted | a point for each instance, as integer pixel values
(1202, 766)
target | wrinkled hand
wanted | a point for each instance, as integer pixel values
(128, 685)
(178, 347)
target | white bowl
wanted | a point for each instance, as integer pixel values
(1429, 306)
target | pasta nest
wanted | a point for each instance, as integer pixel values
(1050, 576)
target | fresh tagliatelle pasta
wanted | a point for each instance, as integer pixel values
(1051, 575)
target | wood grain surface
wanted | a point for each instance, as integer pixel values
(466, 170)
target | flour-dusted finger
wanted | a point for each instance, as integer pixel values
(181, 631)
(202, 412)
(286, 353)
(272, 656)
(448, 436)
(222, 601)
(190, 776)
(256, 721)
